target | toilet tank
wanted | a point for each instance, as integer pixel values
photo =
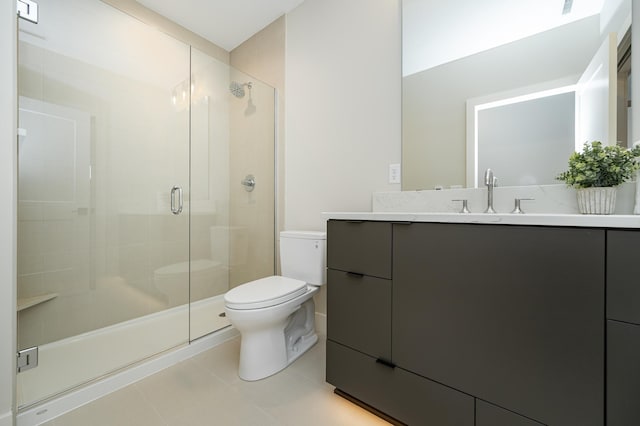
(303, 256)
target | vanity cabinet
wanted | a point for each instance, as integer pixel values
(491, 415)
(623, 328)
(360, 316)
(359, 301)
(510, 314)
(406, 397)
(483, 325)
(623, 374)
(359, 342)
(360, 247)
(623, 291)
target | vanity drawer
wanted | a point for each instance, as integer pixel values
(623, 374)
(407, 397)
(623, 291)
(359, 246)
(359, 312)
(491, 415)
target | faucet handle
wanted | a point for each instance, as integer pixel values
(517, 208)
(465, 207)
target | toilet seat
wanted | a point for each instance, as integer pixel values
(264, 293)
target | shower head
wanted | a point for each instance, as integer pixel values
(237, 89)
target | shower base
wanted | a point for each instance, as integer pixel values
(69, 364)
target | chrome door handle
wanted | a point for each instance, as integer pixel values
(174, 209)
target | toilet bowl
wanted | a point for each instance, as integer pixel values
(276, 315)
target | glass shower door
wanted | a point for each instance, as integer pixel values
(232, 224)
(103, 185)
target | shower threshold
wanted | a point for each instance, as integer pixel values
(71, 363)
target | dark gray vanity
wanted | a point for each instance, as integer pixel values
(485, 324)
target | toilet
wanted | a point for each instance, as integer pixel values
(276, 315)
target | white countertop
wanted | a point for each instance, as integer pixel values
(579, 220)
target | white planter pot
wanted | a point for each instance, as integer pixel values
(597, 200)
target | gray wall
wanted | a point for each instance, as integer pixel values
(527, 143)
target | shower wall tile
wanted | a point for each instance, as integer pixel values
(64, 281)
(30, 331)
(133, 229)
(82, 233)
(30, 264)
(29, 211)
(29, 236)
(61, 260)
(57, 236)
(112, 261)
(30, 285)
(31, 78)
(133, 262)
(58, 211)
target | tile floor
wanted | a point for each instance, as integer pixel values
(206, 390)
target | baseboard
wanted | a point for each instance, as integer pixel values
(6, 419)
(71, 400)
(321, 323)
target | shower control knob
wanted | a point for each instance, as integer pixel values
(249, 183)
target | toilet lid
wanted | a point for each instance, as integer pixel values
(264, 292)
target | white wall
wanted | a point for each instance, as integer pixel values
(7, 210)
(343, 82)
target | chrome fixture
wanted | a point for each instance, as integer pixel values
(517, 208)
(249, 183)
(490, 181)
(465, 206)
(28, 10)
(176, 209)
(237, 89)
(27, 359)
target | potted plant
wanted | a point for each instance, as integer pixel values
(596, 172)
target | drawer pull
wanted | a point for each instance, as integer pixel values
(355, 274)
(385, 362)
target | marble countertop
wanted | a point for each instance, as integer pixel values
(574, 220)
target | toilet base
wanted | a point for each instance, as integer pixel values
(269, 348)
(305, 344)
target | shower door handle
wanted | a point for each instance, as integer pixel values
(174, 209)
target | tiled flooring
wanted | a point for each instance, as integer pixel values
(206, 390)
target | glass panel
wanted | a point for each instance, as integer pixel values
(252, 151)
(106, 137)
(209, 193)
(232, 136)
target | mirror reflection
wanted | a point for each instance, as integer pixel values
(452, 63)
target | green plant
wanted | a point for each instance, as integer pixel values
(600, 166)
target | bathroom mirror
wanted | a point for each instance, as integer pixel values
(444, 68)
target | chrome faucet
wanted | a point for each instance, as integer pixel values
(490, 181)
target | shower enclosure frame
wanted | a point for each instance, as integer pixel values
(272, 265)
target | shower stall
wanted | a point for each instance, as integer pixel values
(135, 208)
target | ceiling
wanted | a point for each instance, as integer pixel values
(460, 28)
(434, 31)
(227, 23)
